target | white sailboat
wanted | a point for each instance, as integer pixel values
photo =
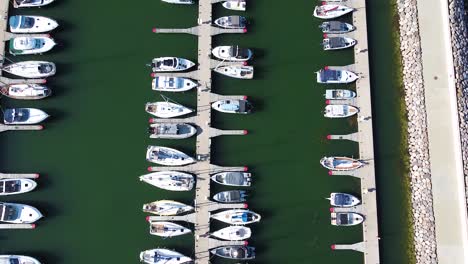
(163, 256)
(167, 229)
(31, 69)
(166, 208)
(166, 109)
(233, 233)
(170, 180)
(329, 11)
(31, 24)
(26, 91)
(167, 156)
(237, 217)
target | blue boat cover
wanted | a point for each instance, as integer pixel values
(14, 21)
(15, 115)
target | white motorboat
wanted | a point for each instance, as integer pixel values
(179, 2)
(233, 196)
(235, 252)
(329, 11)
(16, 186)
(172, 84)
(169, 64)
(30, 45)
(343, 200)
(166, 109)
(31, 3)
(23, 116)
(236, 71)
(31, 69)
(233, 233)
(339, 94)
(336, 76)
(346, 219)
(163, 256)
(31, 24)
(171, 130)
(336, 27)
(340, 111)
(233, 106)
(235, 178)
(167, 229)
(170, 180)
(18, 259)
(237, 217)
(26, 91)
(18, 213)
(166, 208)
(235, 22)
(237, 5)
(167, 156)
(336, 43)
(232, 53)
(340, 163)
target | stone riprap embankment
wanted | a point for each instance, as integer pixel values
(459, 33)
(418, 146)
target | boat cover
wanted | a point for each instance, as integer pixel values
(330, 75)
(343, 219)
(235, 178)
(342, 199)
(166, 130)
(9, 212)
(336, 26)
(229, 196)
(336, 42)
(15, 115)
(10, 186)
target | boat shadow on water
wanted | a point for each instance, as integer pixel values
(43, 257)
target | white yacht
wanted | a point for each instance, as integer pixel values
(30, 45)
(169, 64)
(18, 213)
(31, 69)
(234, 178)
(171, 130)
(235, 252)
(16, 186)
(167, 229)
(336, 76)
(170, 180)
(343, 200)
(26, 91)
(233, 106)
(233, 233)
(23, 116)
(18, 259)
(340, 163)
(233, 196)
(337, 43)
(339, 94)
(30, 3)
(236, 71)
(336, 27)
(172, 84)
(346, 219)
(232, 53)
(329, 11)
(340, 111)
(233, 22)
(166, 109)
(237, 217)
(167, 156)
(166, 208)
(163, 256)
(31, 24)
(236, 5)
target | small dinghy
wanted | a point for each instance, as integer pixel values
(237, 217)
(172, 84)
(336, 76)
(170, 180)
(346, 219)
(16, 186)
(233, 106)
(340, 111)
(236, 71)
(235, 252)
(331, 11)
(340, 163)
(23, 116)
(18, 213)
(167, 156)
(166, 109)
(233, 233)
(166, 208)
(168, 64)
(31, 24)
(18, 259)
(31, 69)
(336, 27)
(234, 196)
(163, 256)
(179, 2)
(339, 94)
(343, 200)
(336, 43)
(30, 3)
(235, 22)
(30, 45)
(232, 53)
(237, 5)
(167, 229)
(171, 130)
(235, 178)
(26, 91)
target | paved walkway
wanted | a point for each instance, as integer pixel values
(443, 133)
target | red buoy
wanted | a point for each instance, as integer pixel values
(41, 127)
(33, 226)
(245, 30)
(155, 30)
(332, 209)
(328, 137)
(153, 74)
(326, 67)
(48, 35)
(327, 102)
(246, 132)
(151, 120)
(244, 63)
(246, 243)
(330, 173)
(44, 81)
(36, 176)
(246, 168)
(333, 247)
(150, 169)
(246, 205)
(325, 36)
(147, 218)
(245, 97)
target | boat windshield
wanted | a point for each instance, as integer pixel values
(10, 212)
(10, 186)
(342, 199)
(344, 219)
(330, 75)
(229, 106)
(45, 68)
(16, 115)
(14, 260)
(27, 22)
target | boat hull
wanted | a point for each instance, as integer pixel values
(233, 196)
(41, 24)
(236, 5)
(167, 156)
(233, 233)
(178, 64)
(352, 219)
(26, 185)
(44, 44)
(167, 229)
(35, 116)
(19, 4)
(237, 217)
(31, 69)
(331, 11)
(340, 111)
(166, 256)
(166, 109)
(223, 53)
(183, 131)
(26, 91)
(18, 259)
(170, 180)
(343, 200)
(172, 84)
(344, 163)
(167, 208)
(233, 178)
(235, 71)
